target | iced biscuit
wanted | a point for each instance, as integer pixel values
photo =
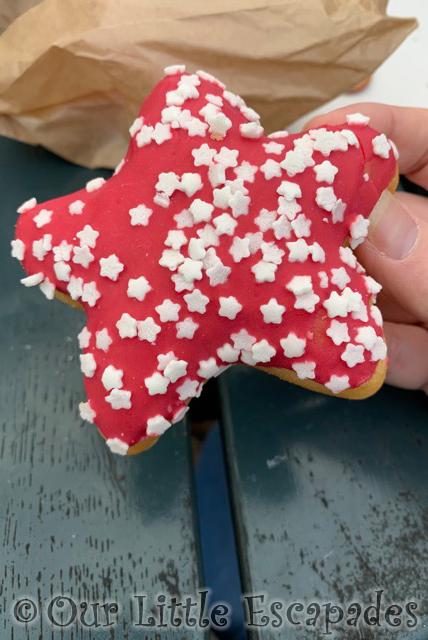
(214, 244)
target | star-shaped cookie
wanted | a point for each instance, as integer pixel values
(213, 244)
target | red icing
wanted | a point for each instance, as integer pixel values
(139, 249)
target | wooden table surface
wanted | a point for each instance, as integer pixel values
(76, 519)
(330, 497)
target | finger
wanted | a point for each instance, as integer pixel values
(395, 252)
(394, 312)
(406, 126)
(408, 356)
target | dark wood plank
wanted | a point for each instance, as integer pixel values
(76, 519)
(330, 496)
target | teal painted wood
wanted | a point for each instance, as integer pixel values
(330, 496)
(75, 519)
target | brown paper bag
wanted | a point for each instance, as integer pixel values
(11, 9)
(73, 73)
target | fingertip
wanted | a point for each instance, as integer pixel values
(396, 249)
(408, 355)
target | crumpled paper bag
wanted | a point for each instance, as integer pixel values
(73, 73)
(11, 9)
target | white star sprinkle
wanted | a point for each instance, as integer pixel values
(225, 224)
(148, 330)
(27, 205)
(227, 157)
(265, 219)
(103, 340)
(218, 273)
(196, 301)
(138, 288)
(76, 207)
(326, 198)
(62, 271)
(168, 311)
(337, 384)
(299, 250)
(290, 190)
(127, 326)
(357, 118)
(86, 412)
(47, 288)
(207, 368)
(262, 351)
(191, 269)
(136, 126)
(171, 259)
(239, 203)
(197, 249)
(272, 311)
(140, 215)
(112, 378)
(190, 183)
(186, 328)
(161, 133)
(304, 370)
(293, 346)
(83, 256)
(240, 248)
(175, 239)
(33, 280)
(264, 271)
(338, 332)
(111, 267)
(273, 147)
(75, 287)
(88, 236)
(251, 130)
(229, 307)
(164, 359)
(201, 211)
(183, 219)
(62, 251)
(353, 355)
(246, 171)
(271, 252)
(144, 136)
(18, 249)
(271, 169)
(175, 369)
(189, 389)
(94, 184)
(116, 445)
(88, 364)
(325, 172)
(119, 399)
(196, 127)
(227, 353)
(243, 340)
(157, 426)
(42, 218)
(156, 384)
(381, 146)
(203, 156)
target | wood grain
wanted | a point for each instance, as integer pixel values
(76, 519)
(329, 497)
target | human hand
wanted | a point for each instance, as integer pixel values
(395, 252)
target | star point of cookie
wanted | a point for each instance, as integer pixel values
(213, 244)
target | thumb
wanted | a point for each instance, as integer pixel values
(395, 252)
(408, 356)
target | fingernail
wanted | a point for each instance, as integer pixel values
(393, 230)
